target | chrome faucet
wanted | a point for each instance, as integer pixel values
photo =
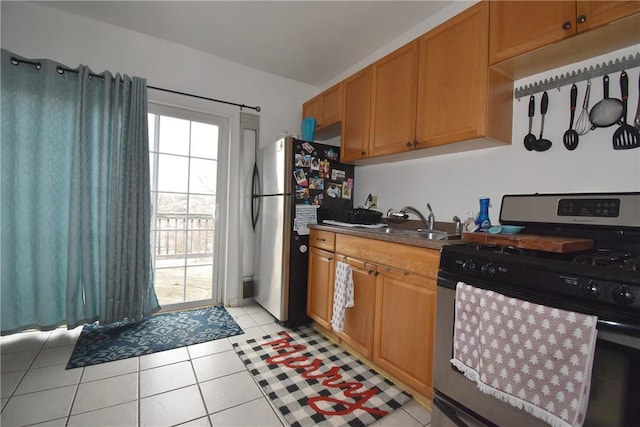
(432, 218)
(458, 225)
(428, 223)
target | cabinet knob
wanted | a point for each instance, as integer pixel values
(415, 143)
(582, 19)
(566, 25)
(364, 153)
(409, 144)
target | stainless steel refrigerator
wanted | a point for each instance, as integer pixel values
(291, 180)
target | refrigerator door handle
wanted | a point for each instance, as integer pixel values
(255, 199)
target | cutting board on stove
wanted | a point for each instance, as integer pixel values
(531, 241)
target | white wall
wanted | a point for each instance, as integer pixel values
(35, 31)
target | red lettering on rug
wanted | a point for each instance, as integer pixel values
(354, 397)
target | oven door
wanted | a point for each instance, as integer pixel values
(446, 413)
(615, 382)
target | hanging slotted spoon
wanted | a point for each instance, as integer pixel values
(571, 137)
(583, 125)
(626, 136)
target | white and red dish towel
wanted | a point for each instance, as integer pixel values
(342, 295)
(533, 357)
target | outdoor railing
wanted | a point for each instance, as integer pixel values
(180, 235)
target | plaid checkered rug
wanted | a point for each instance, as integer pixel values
(314, 382)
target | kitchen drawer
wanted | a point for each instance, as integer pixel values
(411, 259)
(322, 239)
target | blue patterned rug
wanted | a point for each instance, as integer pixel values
(106, 343)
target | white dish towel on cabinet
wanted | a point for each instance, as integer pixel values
(342, 295)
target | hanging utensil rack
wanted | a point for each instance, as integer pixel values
(586, 73)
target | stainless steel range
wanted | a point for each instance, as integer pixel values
(603, 281)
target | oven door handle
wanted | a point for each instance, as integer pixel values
(448, 412)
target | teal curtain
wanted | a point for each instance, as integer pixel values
(75, 197)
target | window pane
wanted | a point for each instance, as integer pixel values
(202, 205)
(204, 140)
(169, 285)
(200, 245)
(203, 176)
(174, 135)
(170, 203)
(173, 173)
(198, 284)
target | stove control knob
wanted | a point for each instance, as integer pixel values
(623, 295)
(488, 269)
(592, 289)
(469, 266)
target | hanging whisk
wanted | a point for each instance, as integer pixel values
(583, 125)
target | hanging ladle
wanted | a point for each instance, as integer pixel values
(542, 144)
(530, 139)
(571, 137)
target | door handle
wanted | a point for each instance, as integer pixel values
(255, 200)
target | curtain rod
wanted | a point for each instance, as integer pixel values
(257, 108)
(61, 70)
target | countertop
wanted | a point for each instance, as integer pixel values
(379, 234)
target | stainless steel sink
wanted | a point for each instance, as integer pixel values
(419, 233)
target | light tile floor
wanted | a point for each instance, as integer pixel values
(200, 385)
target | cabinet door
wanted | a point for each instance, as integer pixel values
(405, 318)
(313, 108)
(332, 105)
(320, 286)
(592, 14)
(356, 107)
(452, 88)
(518, 27)
(359, 320)
(393, 108)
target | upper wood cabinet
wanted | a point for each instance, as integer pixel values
(459, 97)
(326, 107)
(593, 14)
(518, 27)
(393, 101)
(356, 106)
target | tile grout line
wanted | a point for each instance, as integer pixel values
(13, 392)
(195, 375)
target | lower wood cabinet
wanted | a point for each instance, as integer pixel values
(320, 286)
(359, 320)
(392, 323)
(405, 320)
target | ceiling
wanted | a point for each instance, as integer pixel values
(308, 41)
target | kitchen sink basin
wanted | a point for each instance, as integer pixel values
(419, 233)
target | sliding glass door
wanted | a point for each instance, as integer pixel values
(184, 165)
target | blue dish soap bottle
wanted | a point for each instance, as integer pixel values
(482, 221)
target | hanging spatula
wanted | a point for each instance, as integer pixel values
(626, 136)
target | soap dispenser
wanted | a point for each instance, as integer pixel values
(470, 223)
(483, 221)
